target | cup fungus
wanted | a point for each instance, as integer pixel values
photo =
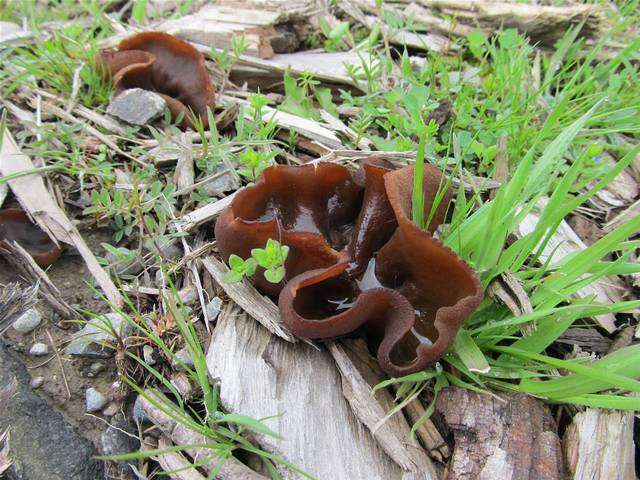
(356, 260)
(164, 64)
(16, 226)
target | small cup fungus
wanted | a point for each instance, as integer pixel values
(356, 260)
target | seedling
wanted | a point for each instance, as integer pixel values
(240, 269)
(271, 258)
(254, 163)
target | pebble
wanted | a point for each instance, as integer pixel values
(86, 342)
(213, 308)
(28, 321)
(95, 400)
(36, 382)
(116, 442)
(39, 350)
(137, 106)
(111, 409)
(149, 355)
(183, 356)
(225, 181)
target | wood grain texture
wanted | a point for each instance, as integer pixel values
(298, 386)
(599, 445)
(510, 439)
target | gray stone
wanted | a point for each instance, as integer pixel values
(111, 409)
(137, 106)
(184, 357)
(39, 349)
(213, 308)
(126, 264)
(88, 342)
(224, 181)
(116, 442)
(28, 321)
(95, 401)
(43, 445)
(149, 355)
(138, 411)
(36, 382)
(168, 248)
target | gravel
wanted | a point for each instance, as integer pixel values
(39, 349)
(95, 401)
(137, 106)
(28, 321)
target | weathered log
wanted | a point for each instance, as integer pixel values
(510, 439)
(296, 389)
(599, 445)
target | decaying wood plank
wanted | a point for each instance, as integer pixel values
(296, 389)
(217, 26)
(543, 23)
(251, 301)
(229, 469)
(565, 242)
(514, 439)
(37, 201)
(599, 445)
(624, 216)
(184, 175)
(394, 434)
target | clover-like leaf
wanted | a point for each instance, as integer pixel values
(232, 277)
(236, 263)
(274, 275)
(250, 266)
(261, 256)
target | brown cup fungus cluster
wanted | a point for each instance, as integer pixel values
(164, 64)
(15, 226)
(356, 260)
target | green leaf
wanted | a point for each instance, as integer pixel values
(274, 275)
(242, 420)
(469, 352)
(262, 257)
(232, 277)
(236, 263)
(250, 267)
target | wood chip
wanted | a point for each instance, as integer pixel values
(494, 439)
(204, 214)
(175, 464)
(599, 445)
(394, 434)
(296, 389)
(229, 469)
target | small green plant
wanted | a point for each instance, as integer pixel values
(271, 258)
(254, 163)
(240, 269)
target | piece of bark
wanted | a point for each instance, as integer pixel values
(204, 214)
(36, 200)
(588, 339)
(175, 464)
(394, 434)
(543, 23)
(565, 242)
(514, 439)
(422, 16)
(229, 469)
(624, 216)
(217, 26)
(252, 301)
(296, 389)
(599, 445)
(185, 174)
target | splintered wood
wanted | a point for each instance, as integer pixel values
(510, 439)
(296, 389)
(599, 445)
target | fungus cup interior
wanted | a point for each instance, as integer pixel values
(164, 64)
(16, 226)
(356, 261)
